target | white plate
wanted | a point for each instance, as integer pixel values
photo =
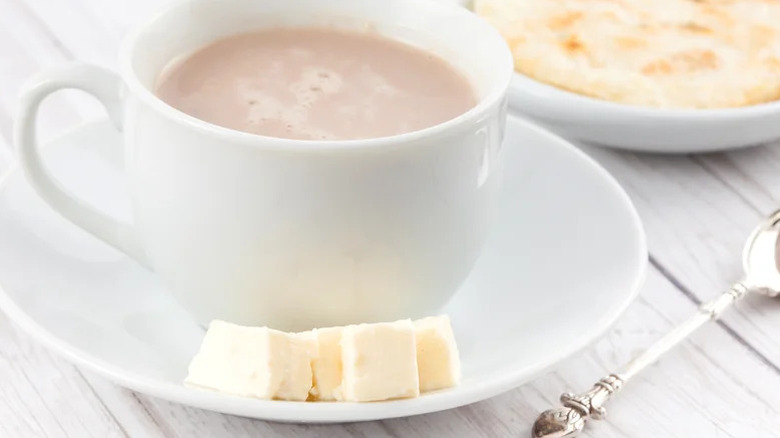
(566, 257)
(643, 128)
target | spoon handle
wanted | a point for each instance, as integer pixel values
(569, 420)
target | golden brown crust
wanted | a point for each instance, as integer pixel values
(662, 53)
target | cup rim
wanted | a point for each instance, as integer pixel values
(496, 93)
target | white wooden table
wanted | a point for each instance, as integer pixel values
(724, 382)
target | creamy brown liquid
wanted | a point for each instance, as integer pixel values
(316, 84)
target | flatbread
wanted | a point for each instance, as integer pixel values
(660, 53)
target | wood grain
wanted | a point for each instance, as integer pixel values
(43, 396)
(724, 382)
(698, 211)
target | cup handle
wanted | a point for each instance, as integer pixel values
(106, 86)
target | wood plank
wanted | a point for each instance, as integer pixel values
(44, 396)
(27, 43)
(698, 211)
(127, 409)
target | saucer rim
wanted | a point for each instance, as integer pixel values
(331, 412)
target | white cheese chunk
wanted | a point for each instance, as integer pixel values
(438, 363)
(326, 364)
(379, 362)
(254, 362)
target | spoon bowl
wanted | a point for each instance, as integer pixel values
(760, 258)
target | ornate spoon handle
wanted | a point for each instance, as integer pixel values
(569, 420)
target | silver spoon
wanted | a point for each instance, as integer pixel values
(761, 274)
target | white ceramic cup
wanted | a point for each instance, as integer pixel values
(289, 233)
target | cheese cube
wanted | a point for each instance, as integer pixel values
(254, 362)
(379, 362)
(326, 365)
(438, 363)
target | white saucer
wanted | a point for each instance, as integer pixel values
(642, 128)
(566, 257)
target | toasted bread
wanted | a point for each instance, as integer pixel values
(660, 53)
